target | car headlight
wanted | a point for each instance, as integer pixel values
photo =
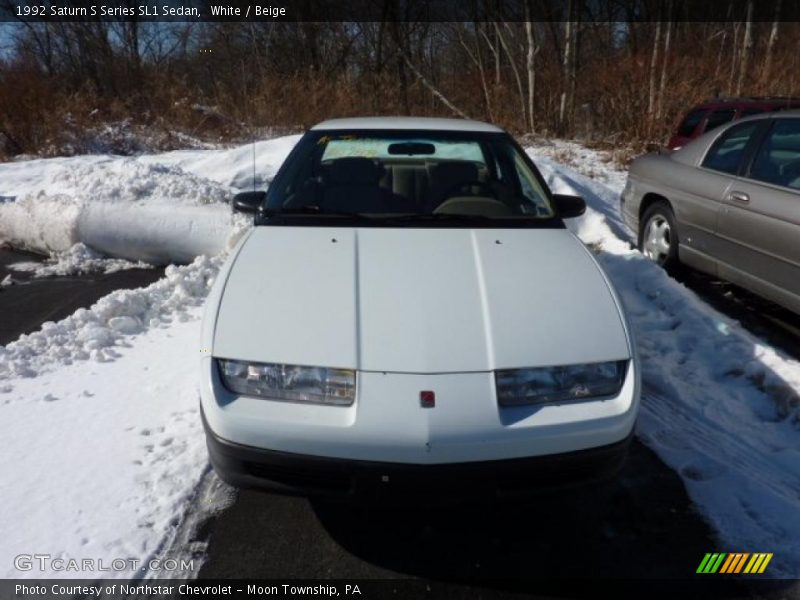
(559, 384)
(290, 383)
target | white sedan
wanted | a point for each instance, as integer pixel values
(410, 313)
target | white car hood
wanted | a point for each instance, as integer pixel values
(417, 300)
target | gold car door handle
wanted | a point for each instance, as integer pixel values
(739, 197)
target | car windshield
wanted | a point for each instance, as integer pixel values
(408, 175)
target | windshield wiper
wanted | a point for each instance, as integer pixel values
(435, 217)
(313, 210)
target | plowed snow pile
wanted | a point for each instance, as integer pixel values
(160, 209)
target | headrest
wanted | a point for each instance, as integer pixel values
(353, 170)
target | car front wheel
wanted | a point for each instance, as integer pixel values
(658, 235)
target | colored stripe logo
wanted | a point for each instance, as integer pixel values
(734, 562)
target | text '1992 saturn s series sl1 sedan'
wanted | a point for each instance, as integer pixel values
(411, 315)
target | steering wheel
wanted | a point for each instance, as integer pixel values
(482, 185)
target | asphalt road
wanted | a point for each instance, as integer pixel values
(642, 524)
(30, 301)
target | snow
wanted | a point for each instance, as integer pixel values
(78, 260)
(129, 469)
(101, 463)
(121, 208)
(233, 167)
(97, 333)
(110, 391)
(160, 209)
(104, 452)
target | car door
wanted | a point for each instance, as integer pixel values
(699, 193)
(759, 223)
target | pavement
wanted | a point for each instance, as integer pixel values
(640, 522)
(31, 301)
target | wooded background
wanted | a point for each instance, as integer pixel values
(620, 71)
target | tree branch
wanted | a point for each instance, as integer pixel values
(433, 89)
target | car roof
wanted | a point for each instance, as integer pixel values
(776, 102)
(780, 114)
(695, 149)
(433, 124)
(792, 112)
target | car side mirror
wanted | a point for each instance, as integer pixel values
(248, 202)
(568, 206)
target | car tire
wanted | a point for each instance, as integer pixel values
(658, 235)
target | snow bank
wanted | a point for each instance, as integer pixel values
(105, 450)
(159, 233)
(98, 333)
(124, 209)
(233, 167)
(108, 461)
(105, 454)
(720, 406)
(163, 208)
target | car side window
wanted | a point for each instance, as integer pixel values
(719, 117)
(727, 152)
(530, 187)
(778, 159)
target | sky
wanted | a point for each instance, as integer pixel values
(6, 30)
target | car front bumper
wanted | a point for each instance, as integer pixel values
(386, 423)
(362, 480)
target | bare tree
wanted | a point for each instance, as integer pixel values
(565, 106)
(651, 97)
(401, 41)
(61, 79)
(723, 38)
(496, 54)
(773, 37)
(664, 60)
(477, 58)
(435, 91)
(514, 68)
(735, 57)
(747, 48)
(496, 58)
(529, 63)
